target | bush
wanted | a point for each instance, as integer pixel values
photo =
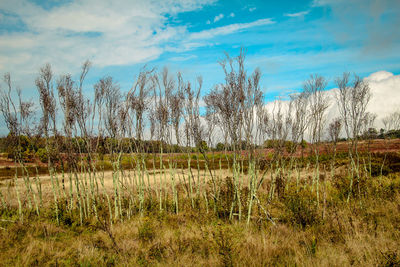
(28, 155)
(290, 146)
(304, 144)
(301, 209)
(42, 155)
(342, 184)
(220, 147)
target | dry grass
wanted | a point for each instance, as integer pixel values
(364, 232)
(8, 186)
(186, 240)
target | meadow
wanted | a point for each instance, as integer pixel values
(290, 227)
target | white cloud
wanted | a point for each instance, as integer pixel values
(385, 99)
(298, 14)
(219, 17)
(385, 88)
(228, 29)
(183, 58)
(385, 96)
(106, 32)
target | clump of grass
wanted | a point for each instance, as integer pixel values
(146, 231)
(224, 240)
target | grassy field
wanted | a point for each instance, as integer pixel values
(8, 166)
(347, 235)
(295, 227)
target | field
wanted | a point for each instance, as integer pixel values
(296, 227)
(8, 166)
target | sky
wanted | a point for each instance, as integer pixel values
(287, 39)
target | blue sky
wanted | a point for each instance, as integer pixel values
(288, 40)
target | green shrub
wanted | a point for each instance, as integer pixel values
(28, 155)
(301, 209)
(42, 154)
(220, 147)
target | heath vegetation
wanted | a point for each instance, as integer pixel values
(167, 173)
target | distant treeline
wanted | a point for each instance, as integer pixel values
(31, 147)
(372, 133)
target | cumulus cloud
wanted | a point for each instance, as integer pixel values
(385, 88)
(385, 99)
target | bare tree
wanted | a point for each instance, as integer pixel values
(314, 87)
(115, 123)
(392, 121)
(163, 89)
(19, 121)
(67, 96)
(334, 130)
(138, 101)
(193, 131)
(299, 104)
(236, 104)
(352, 98)
(228, 99)
(8, 108)
(44, 84)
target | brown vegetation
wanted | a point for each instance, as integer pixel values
(337, 234)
